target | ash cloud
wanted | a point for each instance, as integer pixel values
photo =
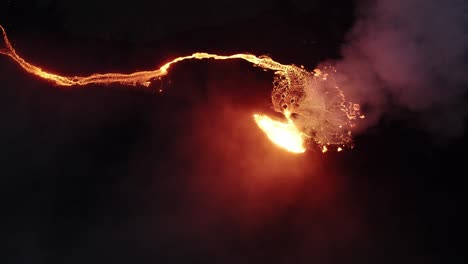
(410, 55)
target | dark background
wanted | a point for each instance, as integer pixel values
(115, 174)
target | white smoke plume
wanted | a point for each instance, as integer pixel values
(409, 54)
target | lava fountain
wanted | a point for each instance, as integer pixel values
(284, 135)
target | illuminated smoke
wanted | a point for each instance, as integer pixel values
(412, 54)
(317, 105)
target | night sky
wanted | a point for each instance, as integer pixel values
(117, 174)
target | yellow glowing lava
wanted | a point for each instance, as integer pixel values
(285, 135)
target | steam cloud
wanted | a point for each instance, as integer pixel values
(412, 54)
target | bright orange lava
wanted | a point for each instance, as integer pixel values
(143, 78)
(289, 80)
(285, 135)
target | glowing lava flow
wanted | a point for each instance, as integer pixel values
(285, 135)
(321, 107)
(137, 78)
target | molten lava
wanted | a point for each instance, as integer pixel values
(285, 135)
(143, 78)
(321, 106)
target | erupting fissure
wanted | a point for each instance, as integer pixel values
(315, 108)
